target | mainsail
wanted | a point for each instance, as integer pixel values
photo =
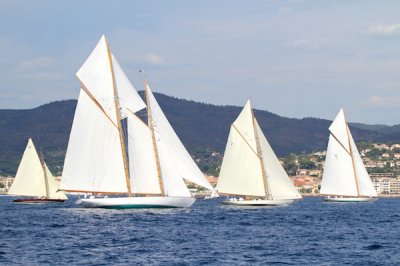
(240, 172)
(344, 171)
(247, 155)
(34, 178)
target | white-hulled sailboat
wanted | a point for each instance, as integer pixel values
(251, 173)
(345, 178)
(34, 180)
(137, 166)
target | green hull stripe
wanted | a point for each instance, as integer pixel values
(131, 206)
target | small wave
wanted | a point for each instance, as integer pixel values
(373, 247)
(57, 225)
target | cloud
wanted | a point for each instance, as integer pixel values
(385, 30)
(38, 69)
(383, 101)
(154, 59)
(34, 64)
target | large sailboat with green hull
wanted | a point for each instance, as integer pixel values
(139, 165)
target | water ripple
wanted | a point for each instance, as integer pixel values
(307, 232)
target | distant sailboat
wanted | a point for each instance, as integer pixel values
(345, 178)
(250, 170)
(34, 179)
(142, 165)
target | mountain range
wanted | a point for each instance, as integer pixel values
(199, 125)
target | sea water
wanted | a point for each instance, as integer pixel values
(307, 232)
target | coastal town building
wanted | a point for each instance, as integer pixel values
(5, 183)
(386, 185)
(382, 162)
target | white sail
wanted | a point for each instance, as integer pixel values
(30, 179)
(339, 174)
(173, 183)
(142, 162)
(94, 158)
(279, 184)
(127, 94)
(240, 172)
(338, 129)
(96, 76)
(175, 160)
(53, 187)
(365, 186)
(244, 124)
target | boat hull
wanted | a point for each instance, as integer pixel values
(349, 199)
(258, 202)
(35, 200)
(137, 202)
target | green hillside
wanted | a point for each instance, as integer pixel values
(200, 126)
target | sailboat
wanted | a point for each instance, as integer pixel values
(34, 179)
(251, 174)
(138, 165)
(345, 178)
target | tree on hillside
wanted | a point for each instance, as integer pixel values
(306, 163)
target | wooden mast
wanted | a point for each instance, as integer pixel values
(121, 135)
(351, 155)
(259, 154)
(153, 138)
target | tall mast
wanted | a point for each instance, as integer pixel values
(46, 180)
(351, 155)
(120, 131)
(259, 153)
(153, 138)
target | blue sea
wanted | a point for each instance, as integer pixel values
(308, 232)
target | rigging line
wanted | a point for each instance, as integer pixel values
(340, 143)
(91, 96)
(245, 140)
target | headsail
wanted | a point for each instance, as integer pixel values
(176, 163)
(129, 99)
(279, 184)
(365, 186)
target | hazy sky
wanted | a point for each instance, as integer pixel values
(293, 58)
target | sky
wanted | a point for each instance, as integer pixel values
(294, 58)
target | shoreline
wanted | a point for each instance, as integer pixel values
(306, 195)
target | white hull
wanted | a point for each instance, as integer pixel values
(349, 199)
(258, 202)
(137, 202)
